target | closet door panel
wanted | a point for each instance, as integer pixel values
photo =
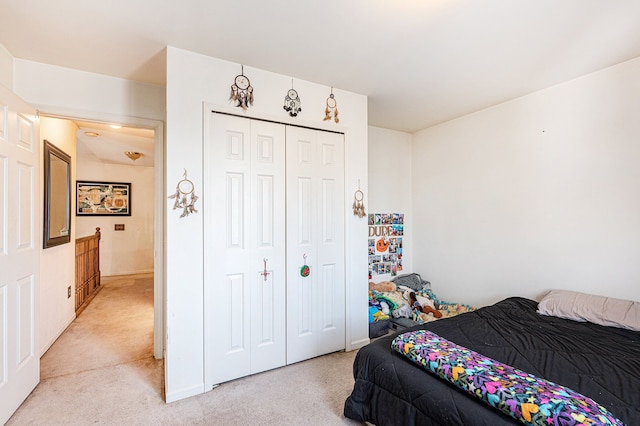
(331, 245)
(304, 215)
(237, 335)
(301, 244)
(329, 285)
(304, 146)
(315, 235)
(235, 194)
(228, 280)
(301, 290)
(233, 328)
(244, 247)
(268, 308)
(328, 219)
(303, 322)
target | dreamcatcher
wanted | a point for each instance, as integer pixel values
(292, 102)
(358, 203)
(241, 91)
(185, 196)
(331, 109)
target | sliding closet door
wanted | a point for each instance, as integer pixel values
(315, 237)
(244, 222)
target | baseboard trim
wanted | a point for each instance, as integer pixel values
(358, 344)
(184, 393)
(47, 346)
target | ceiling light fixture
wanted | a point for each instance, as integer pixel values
(92, 134)
(133, 155)
(115, 126)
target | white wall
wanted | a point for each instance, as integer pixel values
(70, 92)
(6, 68)
(129, 251)
(538, 193)
(192, 81)
(390, 184)
(57, 264)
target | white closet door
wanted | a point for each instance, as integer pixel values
(243, 208)
(315, 229)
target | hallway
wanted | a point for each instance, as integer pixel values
(116, 328)
(102, 366)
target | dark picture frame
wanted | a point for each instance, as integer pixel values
(57, 196)
(103, 198)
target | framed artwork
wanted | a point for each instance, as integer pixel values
(103, 198)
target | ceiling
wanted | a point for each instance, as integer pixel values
(420, 62)
(100, 142)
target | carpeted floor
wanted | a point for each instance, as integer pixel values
(101, 371)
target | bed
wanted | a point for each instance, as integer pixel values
(600, 362)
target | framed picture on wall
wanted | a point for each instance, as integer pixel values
(103, 198)
(386, 231)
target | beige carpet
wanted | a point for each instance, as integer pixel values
(101, 371)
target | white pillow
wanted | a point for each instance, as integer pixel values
(582, 307)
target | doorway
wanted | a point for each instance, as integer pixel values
(107, 151)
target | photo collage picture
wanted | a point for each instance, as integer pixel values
(385, 243)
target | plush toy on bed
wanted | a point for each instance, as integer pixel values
(426, 309)
(382, 286)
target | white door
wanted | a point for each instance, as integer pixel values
(243, 208)
(315, 237)
(19, 251)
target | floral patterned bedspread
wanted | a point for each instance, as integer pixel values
(525, 397)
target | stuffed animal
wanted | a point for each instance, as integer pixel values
(382, 286)
(423, 301)
(423, 308)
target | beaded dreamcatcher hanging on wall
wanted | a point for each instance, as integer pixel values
(292, 103)
(358, 202)
(241, 91)
(185, 197)
(331, 110)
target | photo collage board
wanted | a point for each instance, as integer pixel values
(386, 231)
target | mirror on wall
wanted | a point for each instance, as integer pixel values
(57, 196)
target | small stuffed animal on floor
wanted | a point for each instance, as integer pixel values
(425, 309)
(382, 286)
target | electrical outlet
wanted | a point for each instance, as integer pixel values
(69, 292)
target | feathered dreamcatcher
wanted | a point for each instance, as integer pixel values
(185, 197)
(331, 111)
(292, 102)
(241, 91)
(358, 202)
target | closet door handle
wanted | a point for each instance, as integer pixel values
(264, 272)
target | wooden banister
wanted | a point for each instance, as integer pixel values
(87, 269)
